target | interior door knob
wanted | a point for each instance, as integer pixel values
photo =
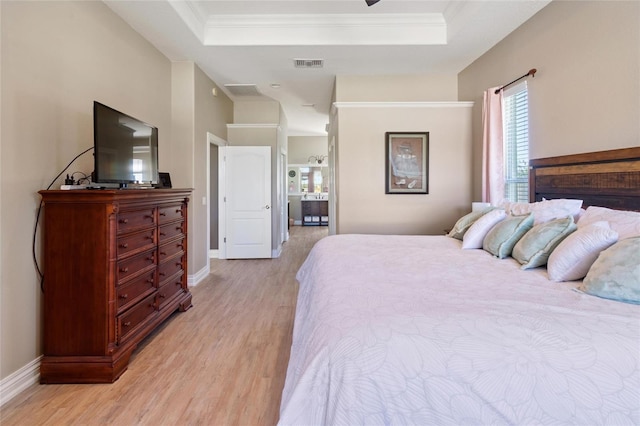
(267, 207)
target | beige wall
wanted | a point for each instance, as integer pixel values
(363, 205)
(257, 112)
(302, 147)
(369, 106)
(393, 88)
(57, 58)
(212, 114)
(182, 114)
(586, 94)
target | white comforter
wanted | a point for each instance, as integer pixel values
(414, 330)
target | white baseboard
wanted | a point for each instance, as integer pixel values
(277, 252)
(194, 279)
(297, 222)
(214, 254)
(29, 375)
(16, 382)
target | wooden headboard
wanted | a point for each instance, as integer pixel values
(605, 178)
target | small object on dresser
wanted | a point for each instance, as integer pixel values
(164, 180)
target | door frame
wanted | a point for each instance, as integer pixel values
(333, 191)
(284, 201)
(220, 143)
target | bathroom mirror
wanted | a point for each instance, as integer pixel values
(307, 178)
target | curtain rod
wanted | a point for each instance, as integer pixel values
(532, 73)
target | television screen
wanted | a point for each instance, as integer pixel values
(125, 149)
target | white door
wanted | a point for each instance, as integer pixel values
(248, 202)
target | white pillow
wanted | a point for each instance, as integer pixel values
(547, 210)
(625, 223)
(574, 256)
(474, 236)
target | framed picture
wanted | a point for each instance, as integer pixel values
(165, 180)
(407, 160)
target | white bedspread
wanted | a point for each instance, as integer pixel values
(414, 330)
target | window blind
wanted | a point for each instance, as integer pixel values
(515, 116)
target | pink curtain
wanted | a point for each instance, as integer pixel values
(492, 148)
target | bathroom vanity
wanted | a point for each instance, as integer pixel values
(315, 212)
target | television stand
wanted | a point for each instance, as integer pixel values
(115, 268)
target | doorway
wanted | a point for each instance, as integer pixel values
(214, 143)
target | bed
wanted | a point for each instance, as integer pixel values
(416, 330)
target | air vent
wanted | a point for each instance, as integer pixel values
(243, 89)
(308, 63)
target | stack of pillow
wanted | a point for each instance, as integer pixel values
(601, 246)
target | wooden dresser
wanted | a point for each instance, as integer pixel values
(115, 267)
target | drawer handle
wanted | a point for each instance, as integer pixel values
(162, 296)
(163, 213)
(150, 280)
(151, 258)
(178, 263)
(162, 274)
(125, 270)
(179, 228)
(162, 234)
(180, 245)
(126, 324)
(179, 211)
(124, 245)
(124, 221)
(178, 283)
(123, 296)
(147, 216)
(149, 237)
(162, 253)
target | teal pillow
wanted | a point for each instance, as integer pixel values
(616, 273)
(465, 222)
(534, 248)
(502, 237)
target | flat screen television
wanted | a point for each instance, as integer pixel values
(125, 149)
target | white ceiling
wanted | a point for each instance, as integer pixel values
(256, 42)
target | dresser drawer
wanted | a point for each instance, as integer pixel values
(128, 322)
(138, 288)
(133, 265)
(136, 219)
(166, 232)
(169, 268)
(167, 291)
(169, 249)
(169, 213)
(135, 242)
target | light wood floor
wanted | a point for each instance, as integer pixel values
(223, 362)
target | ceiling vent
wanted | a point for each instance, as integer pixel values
(243, 89)
(308, 63)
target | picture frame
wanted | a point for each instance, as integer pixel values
(165, 180)
(407, 162)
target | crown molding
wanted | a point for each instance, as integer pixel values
(253, 126)
(192, 16)
(325, 29)
(447, 104)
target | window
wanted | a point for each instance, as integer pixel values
(515, 116)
